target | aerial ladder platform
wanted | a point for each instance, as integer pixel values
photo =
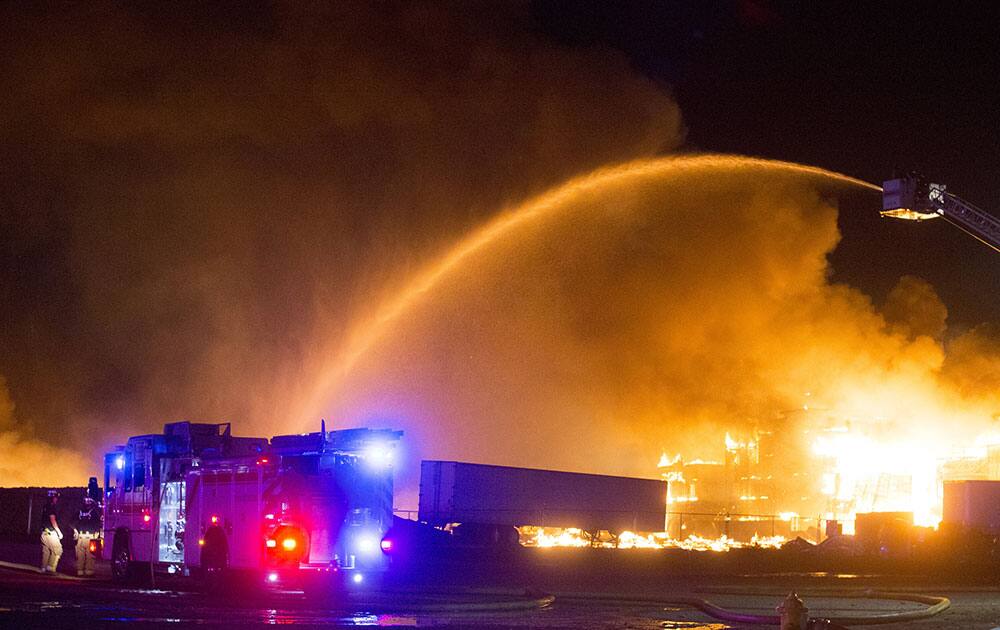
(916, 199)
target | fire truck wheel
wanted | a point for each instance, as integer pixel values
(121, 558)
(215, 558)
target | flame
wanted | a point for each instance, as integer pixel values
(863, 470)
(859, 467)
(666, 462)
(547, 537)
(893, 473)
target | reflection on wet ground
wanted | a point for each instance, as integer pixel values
(28, 601)
(163, 608)
(99, 606)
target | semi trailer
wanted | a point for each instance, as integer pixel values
(492, 501)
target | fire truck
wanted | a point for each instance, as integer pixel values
(306, 511)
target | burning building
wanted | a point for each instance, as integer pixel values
(818, 469)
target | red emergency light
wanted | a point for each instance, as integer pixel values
(215, 519)
(263, 461)
(287, 544)
(386, 545)
(93, 546)
(146, 517)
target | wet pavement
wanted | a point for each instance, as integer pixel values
(29, 600)
(42, 601)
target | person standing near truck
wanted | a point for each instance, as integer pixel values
(88, 528)
(51, 535)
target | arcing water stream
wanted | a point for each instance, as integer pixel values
(367, 330)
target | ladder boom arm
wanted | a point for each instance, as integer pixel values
(976, 222)
(914, 198)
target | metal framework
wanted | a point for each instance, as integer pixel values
(975, 222)
(914, 198)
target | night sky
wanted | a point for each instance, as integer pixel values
(197, 202)
(866, 90)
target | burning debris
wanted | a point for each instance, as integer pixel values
(572, 537)
(841, 468)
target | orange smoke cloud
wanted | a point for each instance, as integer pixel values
(195, 207)
(657, 311)
(29, 461)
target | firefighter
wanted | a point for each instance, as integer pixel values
(88, 528)
(93, 490)
(51, 534)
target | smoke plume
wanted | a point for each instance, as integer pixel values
(199, 204)
(196, 200)
(28, 461)
(657, 313)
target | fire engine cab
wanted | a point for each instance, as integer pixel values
(308, 510)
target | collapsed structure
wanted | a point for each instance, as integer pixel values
(816, 476)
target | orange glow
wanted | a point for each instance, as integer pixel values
(546, 537)
(289, 544)
(909, 215)
(271, 543)
(852, 464)
(215, 519)
(367, 331)
(859, 405)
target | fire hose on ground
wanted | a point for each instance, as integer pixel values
(935, 606)
(789, 618)
(483, 602)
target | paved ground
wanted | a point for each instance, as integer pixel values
(28, 600)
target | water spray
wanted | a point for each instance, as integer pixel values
(367, 331)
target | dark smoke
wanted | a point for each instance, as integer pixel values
(196, 198)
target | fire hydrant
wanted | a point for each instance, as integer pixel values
(793, 613)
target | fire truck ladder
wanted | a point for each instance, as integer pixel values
(914, 198)
(968, 218)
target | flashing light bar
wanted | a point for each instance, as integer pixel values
(366, 544)
(379, 455)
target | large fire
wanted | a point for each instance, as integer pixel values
(876, 471)
(812, 480)
(822, 469)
